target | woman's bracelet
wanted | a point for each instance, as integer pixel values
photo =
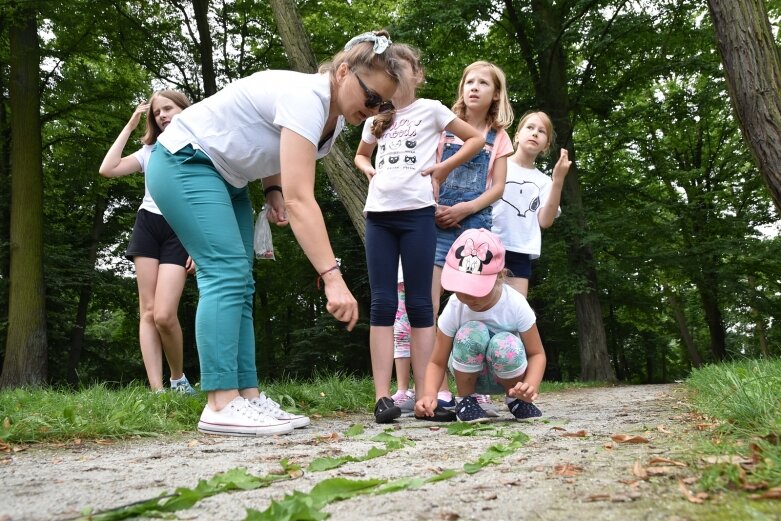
(335, 267)
(272, 188)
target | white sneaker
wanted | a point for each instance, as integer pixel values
(269, 407)
(240, 418)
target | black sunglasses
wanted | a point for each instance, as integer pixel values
(373, 99)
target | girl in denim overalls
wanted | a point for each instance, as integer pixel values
(465, 198)
(399, 213)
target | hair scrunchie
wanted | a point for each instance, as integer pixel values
(380, 42)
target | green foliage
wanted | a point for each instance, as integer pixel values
(742, 397)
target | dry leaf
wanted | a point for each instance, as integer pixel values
(608, 446)
(660, 460)
(627, 438)
(192, 443)
(662, 428)
(639, 471)
(698, 498)
(727, 458)
(104, 442)
(598, 497)
(567, 469)
(691, 480)
(705, 426)
(660, 471)
(773, 493)
(578, 434)
(4, 447)
(449, 516)
(558, 429)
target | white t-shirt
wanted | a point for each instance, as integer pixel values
(512, 314)
(142, 156)
(239, 127)
(403, 151)
(515, 215)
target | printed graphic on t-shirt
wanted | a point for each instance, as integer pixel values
(524, 197)
(399, 142)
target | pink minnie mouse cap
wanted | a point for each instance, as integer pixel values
(473, 263)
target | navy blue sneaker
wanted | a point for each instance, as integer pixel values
(522, 410)
(385, 411)
(451, 405)
(468, 410)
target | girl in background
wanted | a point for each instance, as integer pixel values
(400, 219)
(160, 260)
(530, 201)
(466, 197)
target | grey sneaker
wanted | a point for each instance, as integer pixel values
(485, 402)
(407, 405)
(182, 386)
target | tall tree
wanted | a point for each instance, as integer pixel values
(339, 167)
(752, 65)
(26, 345)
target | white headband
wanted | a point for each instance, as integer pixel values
(380, 42)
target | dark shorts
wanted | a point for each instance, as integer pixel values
(153, 238)
(519, 264)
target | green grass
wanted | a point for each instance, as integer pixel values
(102, 412)
(745, 398)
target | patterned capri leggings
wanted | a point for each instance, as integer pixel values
(493, 355)
(401, 327)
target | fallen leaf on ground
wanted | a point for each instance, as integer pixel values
(727, 458)
(192, 443)
(660, 471)
(558, 429)
(577, 434)
(662, 428)
(608, 446)
(773, 493)
(104, 442)
(567, 469)
(661, 461)
(705, 426)
(690, 496)
(628, 438)
(5, 447)
(639, 471)
(598, 497)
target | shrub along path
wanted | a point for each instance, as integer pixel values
(620, 453)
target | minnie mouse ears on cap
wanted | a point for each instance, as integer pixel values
(473, 263)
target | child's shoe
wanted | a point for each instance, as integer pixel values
(523, 410)
(385, 411)
(239, 418)
(269, 407)
(468, 410)
(399, 396)
(182, 386)
(488, 406)
(406, 404)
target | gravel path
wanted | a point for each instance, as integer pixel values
(560, 474)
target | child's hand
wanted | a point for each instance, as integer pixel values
(369, 172)
(561, 169)
(140, 111)
(425, 406)
(524, 391)
(450, 216)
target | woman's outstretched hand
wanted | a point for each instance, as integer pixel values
(341, 303)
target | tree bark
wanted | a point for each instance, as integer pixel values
(752, 65)
(683, 328)
(85, 293)
(201, 10)
(349, 186)
(26, 349)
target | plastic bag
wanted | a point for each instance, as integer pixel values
(264, 247)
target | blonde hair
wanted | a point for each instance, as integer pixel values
(362, 57)
(546, 122)
(152, 129)
(500, 113)
(411, 55)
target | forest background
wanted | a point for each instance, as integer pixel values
(667, 254)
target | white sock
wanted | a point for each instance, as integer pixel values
(183, 379)
(444, 395)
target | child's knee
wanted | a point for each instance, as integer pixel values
(506, 354)
(470, 342)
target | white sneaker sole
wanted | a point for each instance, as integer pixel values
(242, 430)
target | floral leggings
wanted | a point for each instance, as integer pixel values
(493, 355)
(401, 327)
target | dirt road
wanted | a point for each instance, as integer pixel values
(570, 468)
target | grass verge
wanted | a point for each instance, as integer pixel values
(742, 401)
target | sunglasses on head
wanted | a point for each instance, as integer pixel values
(374, 100)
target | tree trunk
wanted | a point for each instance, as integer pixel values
(544, 55)
(752, 65)
(201, 9)
(25, 350)
(338, 164)
(683, 328)
(708, 291)
(85, 293)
